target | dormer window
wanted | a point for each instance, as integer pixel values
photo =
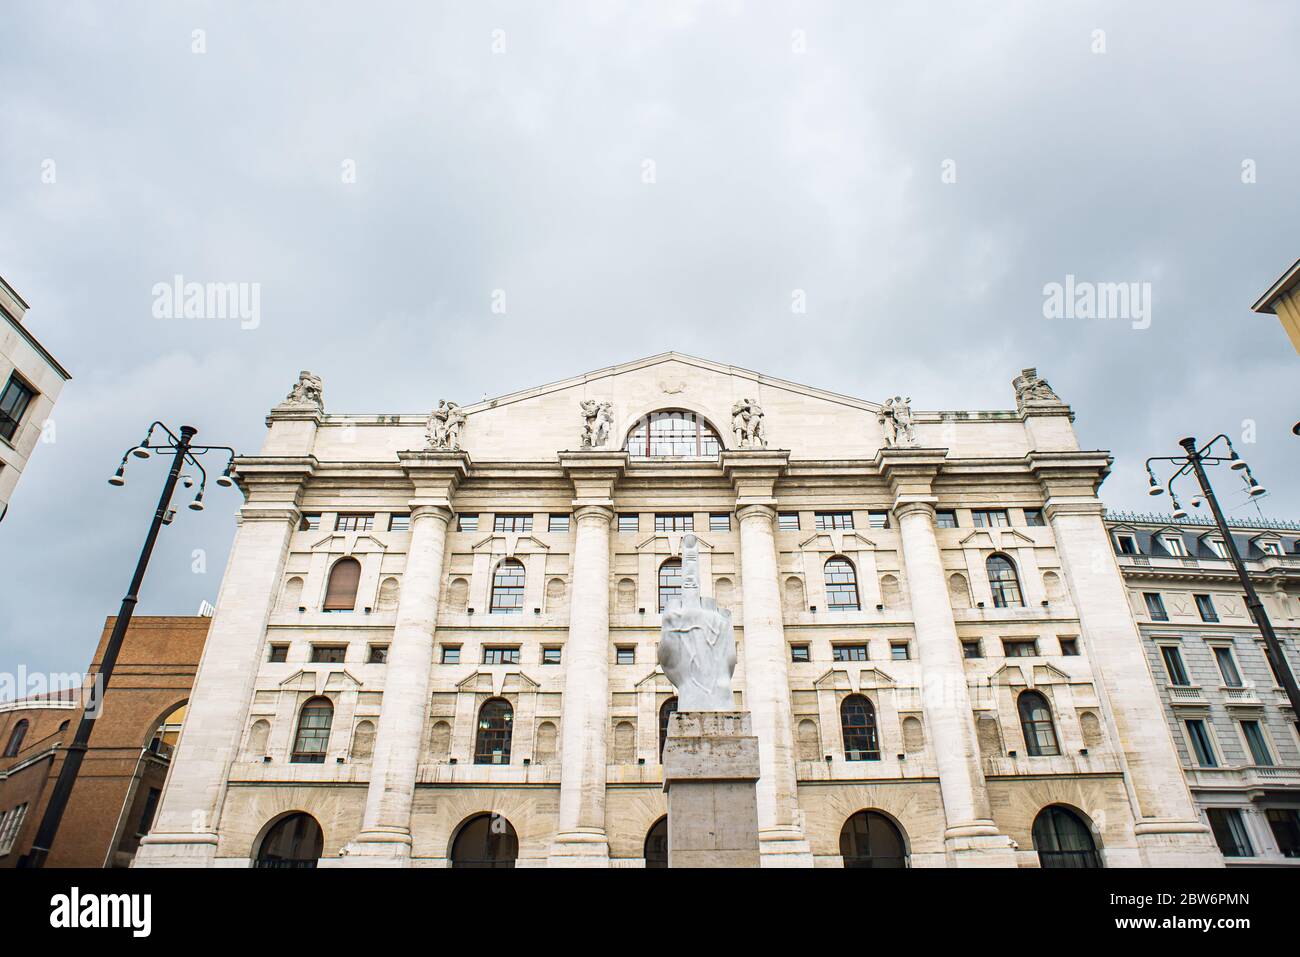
(1271, 548)
(1217, 546)
(1173, 544)
(1127, 544)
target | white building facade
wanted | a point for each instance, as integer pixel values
(1232, 722)
(30, 382)
(435, 644)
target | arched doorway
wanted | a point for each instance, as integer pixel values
(1063, 839)
(144, 792)
(293, 841)
(486, 840)
(656, 844)
(666, 711)
(870, 839)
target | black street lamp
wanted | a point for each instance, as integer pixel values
(1194, 462)
(182, 452)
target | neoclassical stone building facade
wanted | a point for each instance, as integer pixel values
(435, 640)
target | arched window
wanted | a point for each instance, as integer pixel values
(673, 433)
(656, 844)
(858, 724)
(869, 839)
(16, 738)
(313, 737)
(1062, 839)
(665, 712)
(508, 588)
(345, 576)
(293, 841)
(841, 585)
(670, 582)
(495, 723)
(487, 840)
(1003, 581)
(1036, 722)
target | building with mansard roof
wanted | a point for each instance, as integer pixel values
(1232, 722)
(435, 643)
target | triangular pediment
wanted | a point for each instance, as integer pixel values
(655, 681)
(1009, 674)
(349, 543)
(507, 543)
(670, 543)
(1049, 674)
(837, 541)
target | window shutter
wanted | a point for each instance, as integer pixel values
(342, 592)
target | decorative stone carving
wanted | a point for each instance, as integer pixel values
(597, 420)
(896, 419)
(443, 428)
(697, 646)
(308, 393)
(747, 425)
(1030, 387)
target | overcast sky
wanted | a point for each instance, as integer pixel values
(636, 177)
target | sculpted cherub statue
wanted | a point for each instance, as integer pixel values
(697, 646)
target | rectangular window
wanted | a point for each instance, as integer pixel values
(877, 519)
(990, 517)
(1202, 748)
(1205, 605)
(467, 523)
(719, 521)
(1019, 647)
(1155, 606)
(1034, 518)
(309, 523)
(557, 523)
(1227, 666)
(1218, 547)
(501, 656)
(898, 651)
(1285, 825)
(378, 655)
(625, 655)
(674, 523)
(14, 401)
(278, 654)
(355, 523)
(1272, 665)
(1230, 832)
(1270, 548)
(1173, 544)
(629, 522)
(1127, 544)
(551, 656)
(971, 649)
(799, 654)
(827, 521)
(399, 523)
(328, 654)
(848, 652)
(945, 518)
(512, 523)
(451, 654)
(1260, 752)
(1069, 647)
(10, 822)
(788, 521)
(1174, 665)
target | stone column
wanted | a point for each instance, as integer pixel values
(580, 838)
(1168, 829)
(766, 657)
(385, 836)
(186, 826)
(971, 837)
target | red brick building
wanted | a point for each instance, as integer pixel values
(126, 764)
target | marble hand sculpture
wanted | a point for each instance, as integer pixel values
(697, 647)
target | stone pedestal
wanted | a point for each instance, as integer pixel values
(710, 771)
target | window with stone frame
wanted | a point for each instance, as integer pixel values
(508, 588)
(1004, 582)
(841, 585)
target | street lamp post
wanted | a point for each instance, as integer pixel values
(182, 452)
(1194, 462)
